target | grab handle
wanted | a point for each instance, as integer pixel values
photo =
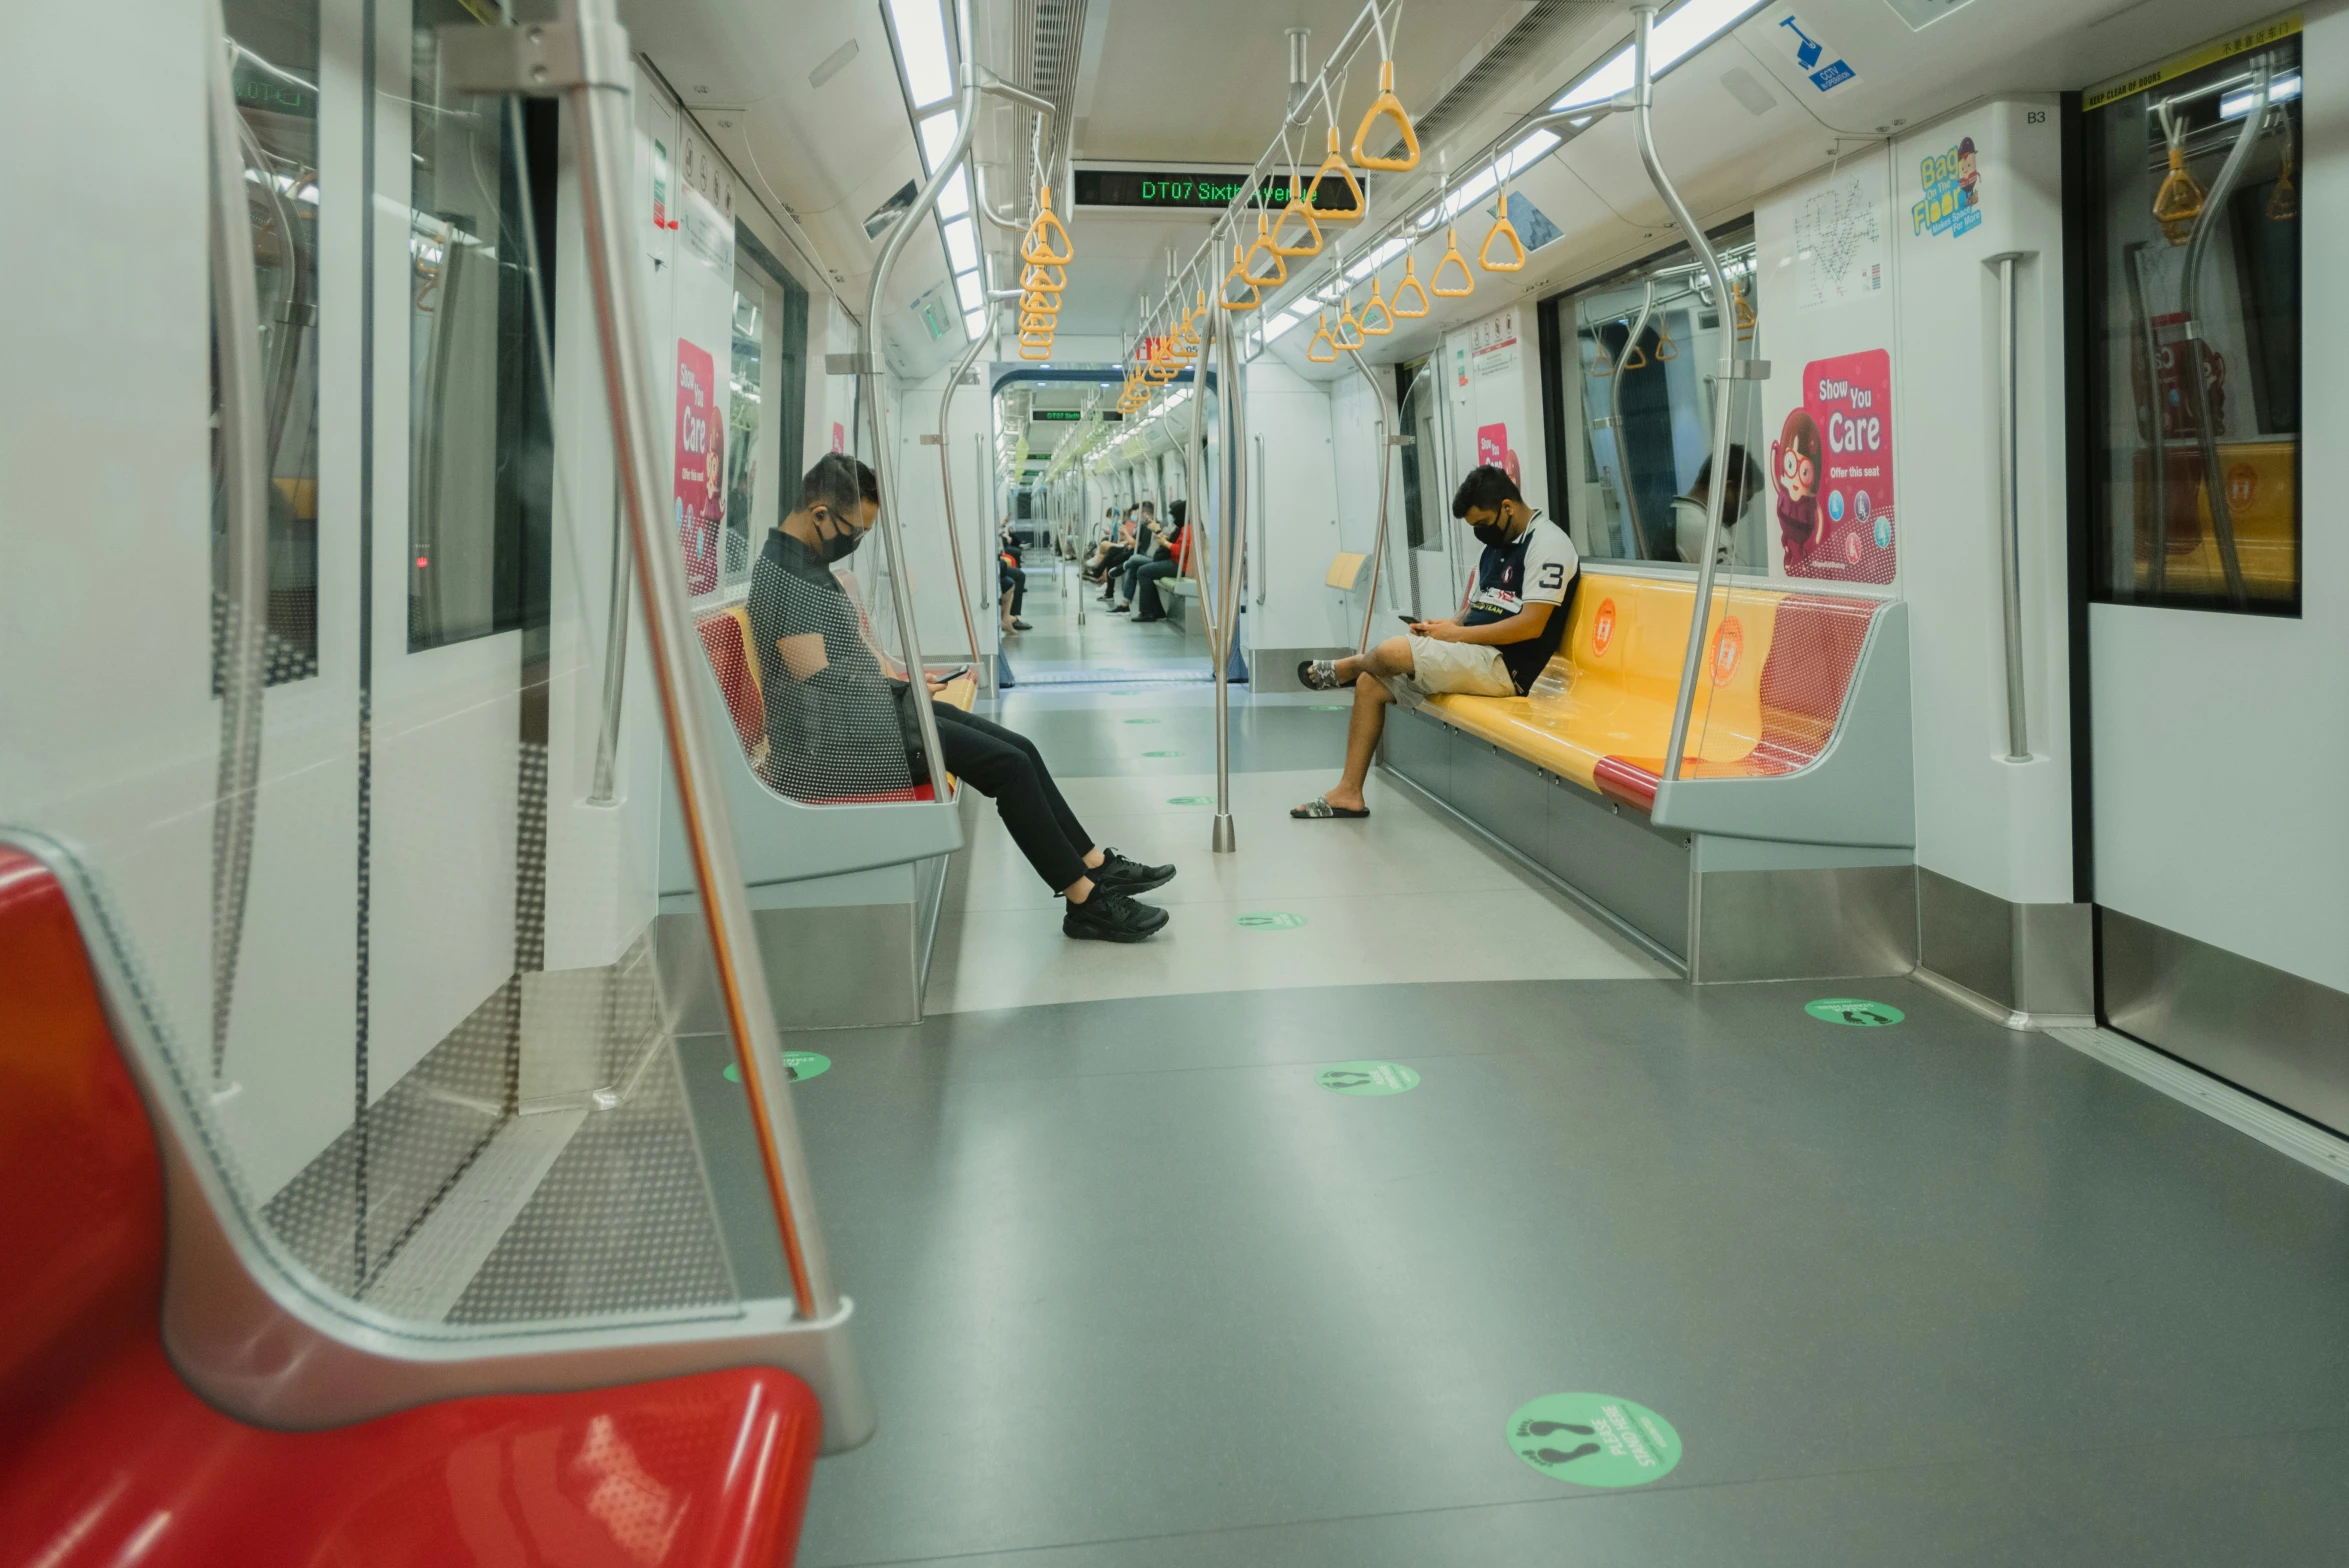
(1452, 258)
(1387, 106)
(1411, 282)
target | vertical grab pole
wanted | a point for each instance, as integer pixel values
(242, 644)
(2214, 483)
(1231, 547)
(2010, 547)
(1387, 438)
(1643, 97)
(962, 589)
(1623, 491)
(601, 120)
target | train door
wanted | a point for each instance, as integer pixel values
(2215, 626)
(1429, 587)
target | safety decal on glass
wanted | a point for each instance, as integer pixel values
(1162, 754)
(1855, 1012)
(1811, 56)
(1270, 920)
(1190, 800)
(1367, 1078)
(799, 1066)
(1141, 721)
(1594, 1440)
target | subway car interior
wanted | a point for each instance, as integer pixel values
(1710, 602)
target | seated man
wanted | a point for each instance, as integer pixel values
(1688, 511)
(1114, 548)
(1011, 581)
(1150, 545)
(839, 727)
(1515, 619)
(1148, 606)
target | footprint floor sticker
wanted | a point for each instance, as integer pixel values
(1594, 1440)
(1855, 1012)
(797, 1065)
(1367, 1078)
(1271, 920)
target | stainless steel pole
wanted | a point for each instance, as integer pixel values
(604, 125)
(604, 787)
(2189, 330)
(242, 643)
(2010, 550)
(1231, 534)
(1622, 466)
(1724, 389)
(1386, 439)
(962, 590)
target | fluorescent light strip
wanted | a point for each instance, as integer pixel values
(938, 137)
(966, 286)
(920, 26)
(1696, 24)
(954, 197)
(962, 247)
(2282, 90)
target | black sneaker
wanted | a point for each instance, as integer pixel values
(1120, 609)
(1111, 916)
(1127, 875)
(1018, 625)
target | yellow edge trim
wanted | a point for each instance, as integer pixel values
(2178, 65)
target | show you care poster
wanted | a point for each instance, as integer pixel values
(700, 483)
(1831, 472)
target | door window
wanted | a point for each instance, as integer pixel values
(2194, 209)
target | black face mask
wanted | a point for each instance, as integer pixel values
(841, 544)
(1494, 533)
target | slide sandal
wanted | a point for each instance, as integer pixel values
(1320, 810)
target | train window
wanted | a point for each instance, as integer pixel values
(745, 437)
(479, 443)
(275, 76)
(1643, 347)
(2193, 208)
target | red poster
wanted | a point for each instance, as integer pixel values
(839, 437)
(1831, 468)
(1492, 448)
(701, 466)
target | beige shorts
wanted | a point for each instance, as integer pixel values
(1474, 668)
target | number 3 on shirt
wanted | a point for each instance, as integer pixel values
(1553, 575)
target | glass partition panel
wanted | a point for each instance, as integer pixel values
(1646, 351)
(2195, 363)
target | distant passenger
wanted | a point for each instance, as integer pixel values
(1515, 620)
(1149, 605)
(1150, 546)
(842, 726)
(1688, 511)
(1011, 580)
(1113, 550)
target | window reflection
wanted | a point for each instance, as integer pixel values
(2196, 374)
(1646, 345)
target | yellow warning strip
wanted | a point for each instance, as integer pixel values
(2192, 60)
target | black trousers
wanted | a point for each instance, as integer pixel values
(1147, 604)
(1014, 581)
(1114, 562)
(1005, 766)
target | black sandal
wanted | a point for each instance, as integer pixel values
(1319, 809)
(1318, 674)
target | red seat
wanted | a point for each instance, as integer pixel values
(106, 1456)
(724, 635)
(1814, 648)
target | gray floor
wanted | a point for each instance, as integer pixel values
(1134, 1290)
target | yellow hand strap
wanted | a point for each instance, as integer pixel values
(1037, 277)
(1347, 323)
(1634, 359)
(1042, 301)
(1436, 285)
(1334, 164)
(1377, 310)
(1239, 275)
(1043, 351)
(1037, 251)
(1411, 282)
(1665, 347)
(1264, 248)
(1297, 208)
(1502, 229)
(1038, 321)
(1320, 337)
(1389, 105)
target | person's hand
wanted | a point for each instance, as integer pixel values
(1438, 631)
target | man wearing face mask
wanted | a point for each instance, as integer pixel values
(840, 727)
(1688, 511)
(1513, 623)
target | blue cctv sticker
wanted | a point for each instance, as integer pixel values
(1810, 57)
(1884, 532)
(1835, 506)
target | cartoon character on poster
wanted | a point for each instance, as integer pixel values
(1831, 467)
(699, 485)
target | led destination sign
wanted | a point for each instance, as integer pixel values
(1174, 188)
(1071, 415)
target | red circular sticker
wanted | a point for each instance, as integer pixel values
(1728, 643)
(1851, 548)
(1602, 627)
(2242, 485)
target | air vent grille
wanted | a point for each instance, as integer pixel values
(1542, 21)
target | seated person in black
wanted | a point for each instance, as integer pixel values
(1148, 606)
(840, 728)
(1150, 546)
(1011, 580)
(1113, 551)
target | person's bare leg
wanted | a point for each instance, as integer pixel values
(1363, 728)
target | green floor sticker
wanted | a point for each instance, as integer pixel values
(1272, 920)
(1191, 800)
(1154, 721)
(1367, 1078)
(1334, 707)
(1594, 1440)
(799, 1065)
(1851, 1010)
(1162, 754)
